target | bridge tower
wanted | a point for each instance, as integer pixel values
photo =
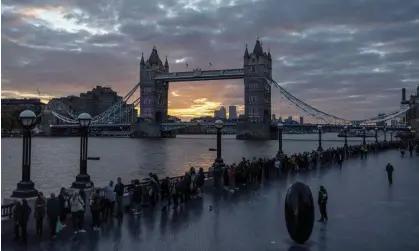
(257, 91)
(153, 93)
(257, 94)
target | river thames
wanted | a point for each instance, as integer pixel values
(55, 161)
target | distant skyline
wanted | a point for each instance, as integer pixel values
(347, 58)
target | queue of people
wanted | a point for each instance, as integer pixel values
(107, 202)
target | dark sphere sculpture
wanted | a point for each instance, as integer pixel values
(299, 212)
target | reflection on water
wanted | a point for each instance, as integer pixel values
(55, 161)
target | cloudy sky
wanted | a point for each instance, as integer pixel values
(348, 58)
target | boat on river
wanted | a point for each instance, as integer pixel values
(93, 158)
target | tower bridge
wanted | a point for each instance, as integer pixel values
(153, 87)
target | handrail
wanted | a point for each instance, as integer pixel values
(7, 210)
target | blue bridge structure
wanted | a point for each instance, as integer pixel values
(259, 87)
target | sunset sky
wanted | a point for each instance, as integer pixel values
(348, 58)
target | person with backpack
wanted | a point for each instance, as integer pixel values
(199, 182)
(77, 211)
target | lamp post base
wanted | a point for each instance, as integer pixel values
(82, 182)
(25, 189)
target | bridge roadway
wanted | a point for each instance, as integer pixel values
(365, 213)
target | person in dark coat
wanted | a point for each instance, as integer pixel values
(119, 194)
(137, 197)
(39, 213)
(322, 201)
(53, 212)
(390, 170)
(64, 206)
(95, 210)
(199, 182)
(165, 193)
(24, 218)
(17, 212)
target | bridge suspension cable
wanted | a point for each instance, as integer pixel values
(328, 118)
(101, 118)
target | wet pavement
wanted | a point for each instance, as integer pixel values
(365, 213)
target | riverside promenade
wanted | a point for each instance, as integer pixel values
(365, 213)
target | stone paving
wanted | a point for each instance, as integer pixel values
(365, 213)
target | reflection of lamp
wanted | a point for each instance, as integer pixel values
(363, 136)
(83, 179)
(345, 146)
(26, 188)
(280, 125)
(319, 129)
(219, 124)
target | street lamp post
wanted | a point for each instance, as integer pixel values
(385, 135)
(391, 137)
(26, 188)
(363, 136)
(280, 125)
(376, 134)
(345, 128)
(319, 129)
(83, 179)
(219, 124)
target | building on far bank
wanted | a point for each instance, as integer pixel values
(393, 122)
(95, 102)
(12, 107)
(9, 105)
(232, 112)
(220, 114)
(382, 123)
(301, 120)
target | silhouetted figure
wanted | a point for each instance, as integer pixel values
(53, 212)
(119, 194)
(411, 149)
(40, 205)
(24, 218)
(389, 170)
(322, 201)
(17, 212)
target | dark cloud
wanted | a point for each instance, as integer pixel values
(348, 58)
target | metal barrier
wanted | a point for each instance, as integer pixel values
(7, 210)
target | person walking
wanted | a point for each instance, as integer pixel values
(390, 170)
(322, 201)
(39, 213)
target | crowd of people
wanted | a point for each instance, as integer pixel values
(105, 203)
